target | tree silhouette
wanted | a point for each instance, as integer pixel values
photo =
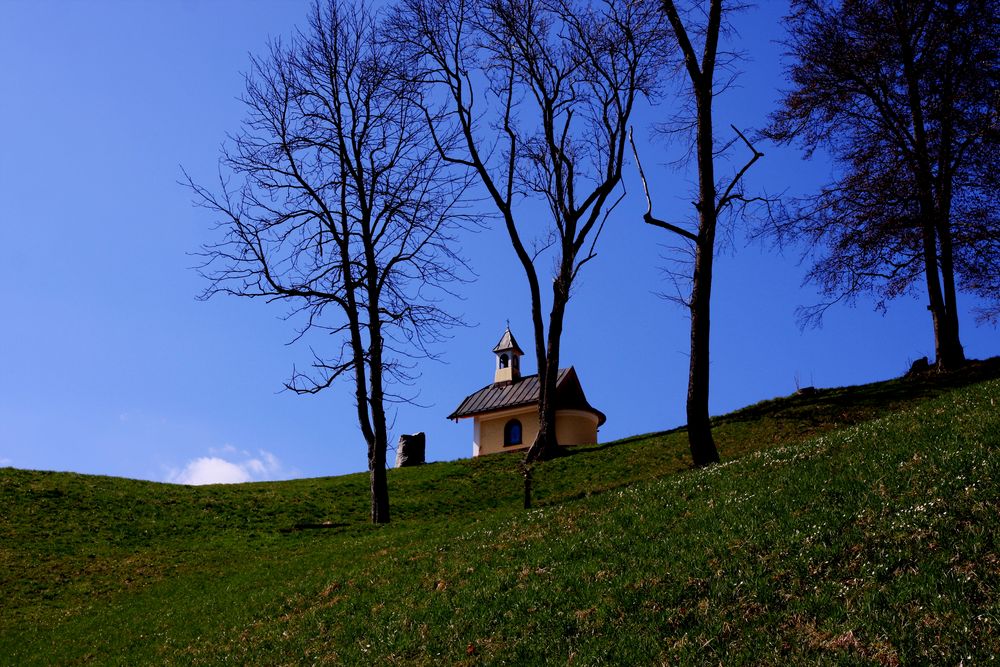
(715, 199)
(903, 95)
(342, 207)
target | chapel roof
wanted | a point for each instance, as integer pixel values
(524, 391)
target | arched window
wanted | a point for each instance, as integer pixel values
(512, 433)
(504, 360)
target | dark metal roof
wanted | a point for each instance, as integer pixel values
(504, 395)
(507, 342)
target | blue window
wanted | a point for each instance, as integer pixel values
(512, 433)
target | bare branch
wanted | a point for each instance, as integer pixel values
(648, 216)
(726, 197)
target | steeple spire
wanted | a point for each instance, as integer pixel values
(508, 358)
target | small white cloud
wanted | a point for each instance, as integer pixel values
(270, 460)
(217, 470)
(211, 470)
(5, 462)
(267, 464)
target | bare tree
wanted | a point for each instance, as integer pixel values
(540, 92)
(902, 93)
(715, 199)
(342, 207)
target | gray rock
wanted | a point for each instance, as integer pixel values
(410, 451)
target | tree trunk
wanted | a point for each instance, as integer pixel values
(377, 455)
(945, 190)
(952, 354)
(948, 351)
(947, 348)
(374, 433)
(377, 450)
(546, 444)
(379, 484)
(703, 450)
(934, 297)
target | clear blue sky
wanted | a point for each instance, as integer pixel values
(109, 365)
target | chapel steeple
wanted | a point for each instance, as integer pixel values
(508, 359)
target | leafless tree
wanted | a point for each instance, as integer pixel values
(714, 200)
(540, 92)
(334, 198)
(903, 95)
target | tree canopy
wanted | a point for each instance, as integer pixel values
(902, 94)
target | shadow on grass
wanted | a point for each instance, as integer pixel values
(326, 525)
(861, 400)
(835, 407)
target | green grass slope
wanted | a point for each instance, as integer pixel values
(850, 526)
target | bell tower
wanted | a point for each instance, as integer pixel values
(508, 359)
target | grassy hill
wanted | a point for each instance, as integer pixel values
(850, 526)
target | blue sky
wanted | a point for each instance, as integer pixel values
(109, 365)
